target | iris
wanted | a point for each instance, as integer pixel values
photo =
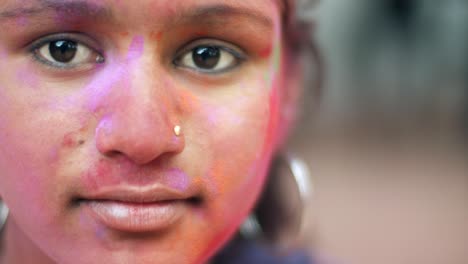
(63, 50)
(206, 57)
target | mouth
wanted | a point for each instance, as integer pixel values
(133, 210)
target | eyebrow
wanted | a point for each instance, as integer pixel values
(223, 10)
(84, 8)
(69, 8)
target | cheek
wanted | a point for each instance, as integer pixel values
(240, 133)
(31, 132)
(24, 180)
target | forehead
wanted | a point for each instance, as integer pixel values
(267, 10)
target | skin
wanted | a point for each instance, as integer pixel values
(66, 132)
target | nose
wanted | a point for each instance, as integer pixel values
(137, 115)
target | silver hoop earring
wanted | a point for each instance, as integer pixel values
(301, 173)
(3, 214)
(250, 228)
(279, 213)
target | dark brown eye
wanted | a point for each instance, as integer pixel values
(66, 53)
(63, 51)
(206, 57)
(211, 58)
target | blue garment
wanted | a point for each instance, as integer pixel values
(242, 251)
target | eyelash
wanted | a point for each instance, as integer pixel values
(238, 55)
(35, 48)
(224, 49)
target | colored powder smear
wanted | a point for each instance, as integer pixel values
(136, 48)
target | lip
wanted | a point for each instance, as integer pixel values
(138, 209)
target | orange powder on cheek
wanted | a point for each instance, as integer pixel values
(217, 173)
(156, 36)
(187, 102)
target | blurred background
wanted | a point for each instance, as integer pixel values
(386, 141)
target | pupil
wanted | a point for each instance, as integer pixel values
(63, 50)
(206, 57)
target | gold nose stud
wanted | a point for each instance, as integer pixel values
(177, 130)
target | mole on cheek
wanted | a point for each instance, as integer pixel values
(71, 140)
(74, 139)
(68, 140)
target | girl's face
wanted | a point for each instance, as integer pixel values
(91, 94)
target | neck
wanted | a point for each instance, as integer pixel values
(16, 247)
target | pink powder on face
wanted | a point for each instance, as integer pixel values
(3, 53)
(104, 128)
(69, 140)
(136, 48)
(121, 171)
(274, 131)
(176, 179)
(99, 176)
(116, 75)
(26, 78)
(273, 122)
(22, 21)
